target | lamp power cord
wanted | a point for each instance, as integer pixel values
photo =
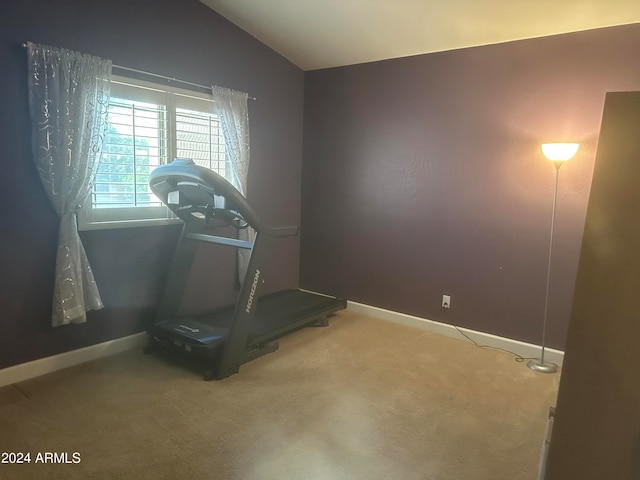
(518, 358)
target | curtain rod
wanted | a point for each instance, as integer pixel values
(164, 77)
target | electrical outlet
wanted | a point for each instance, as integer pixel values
(446, 301)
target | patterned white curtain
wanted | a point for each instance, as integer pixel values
(232, 109)
(68, 97)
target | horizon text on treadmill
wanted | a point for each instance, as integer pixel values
(254, 285)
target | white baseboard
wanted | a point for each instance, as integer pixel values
(526, 350)
(42, 366)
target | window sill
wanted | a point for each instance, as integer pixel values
(128, 224)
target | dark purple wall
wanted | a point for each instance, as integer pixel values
(423, 176)
(181, 38)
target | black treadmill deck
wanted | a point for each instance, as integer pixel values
(276, 315)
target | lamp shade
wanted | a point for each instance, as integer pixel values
(559, 152)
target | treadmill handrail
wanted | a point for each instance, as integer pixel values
(183, 172)
(232, 242)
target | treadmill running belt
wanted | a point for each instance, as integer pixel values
(281, 309)
(275, 315)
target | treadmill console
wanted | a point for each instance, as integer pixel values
(195, 193)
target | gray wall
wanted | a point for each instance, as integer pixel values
(180, 38)
(423, 176)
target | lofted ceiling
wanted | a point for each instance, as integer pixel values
(316, 34)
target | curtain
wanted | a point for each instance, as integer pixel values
(68, 98)
(232, 108)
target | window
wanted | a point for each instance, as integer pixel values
(149, 125)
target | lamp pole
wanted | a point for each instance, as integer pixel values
(558, 153)
(535, 364)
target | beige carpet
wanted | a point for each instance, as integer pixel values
(361, 399)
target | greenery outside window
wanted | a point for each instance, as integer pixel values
(149, 125)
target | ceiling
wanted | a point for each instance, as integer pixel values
(316, 34)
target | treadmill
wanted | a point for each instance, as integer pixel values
(227, 337)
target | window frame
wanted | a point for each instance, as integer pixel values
(172, 98)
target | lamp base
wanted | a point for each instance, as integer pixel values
(541, 367)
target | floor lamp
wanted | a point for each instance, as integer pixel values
(558, 153)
